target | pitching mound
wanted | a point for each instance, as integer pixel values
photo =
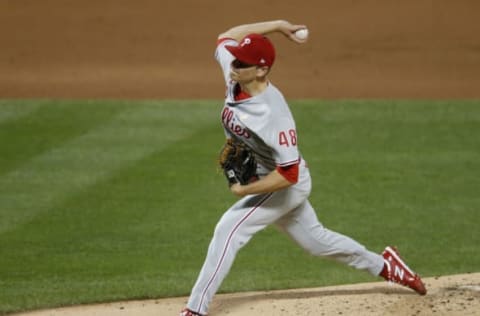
(447, 295)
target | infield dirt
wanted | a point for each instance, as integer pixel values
(164, 49)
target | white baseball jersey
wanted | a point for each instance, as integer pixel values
(264, 122)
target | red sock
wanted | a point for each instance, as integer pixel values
(384, 272)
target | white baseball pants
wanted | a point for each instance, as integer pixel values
(291, 211)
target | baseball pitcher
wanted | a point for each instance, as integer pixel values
(266, 170)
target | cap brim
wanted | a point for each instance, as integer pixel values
(237, 52)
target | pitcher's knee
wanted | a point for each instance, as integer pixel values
(233, 237)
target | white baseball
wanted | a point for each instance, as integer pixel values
(301, 34)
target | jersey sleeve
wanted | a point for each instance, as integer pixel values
(290, 172)
(223, 56)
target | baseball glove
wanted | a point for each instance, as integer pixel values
(238, 163)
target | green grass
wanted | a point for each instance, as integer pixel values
(111, 200)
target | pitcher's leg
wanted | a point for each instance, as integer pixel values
(232, 232)
(304, 227)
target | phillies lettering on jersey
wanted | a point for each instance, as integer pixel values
(231, 123)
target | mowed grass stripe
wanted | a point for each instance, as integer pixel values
(123, 235)
(407, 171)
(14, 109)
(133, 133)
(28, 129)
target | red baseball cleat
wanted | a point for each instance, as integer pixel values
(187, 312)
(395, 270)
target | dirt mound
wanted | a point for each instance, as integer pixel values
(447, 295)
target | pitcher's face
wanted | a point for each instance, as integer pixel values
(243, 73)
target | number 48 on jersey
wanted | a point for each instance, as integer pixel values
(288, 138)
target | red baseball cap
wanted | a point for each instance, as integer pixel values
(254, 49)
